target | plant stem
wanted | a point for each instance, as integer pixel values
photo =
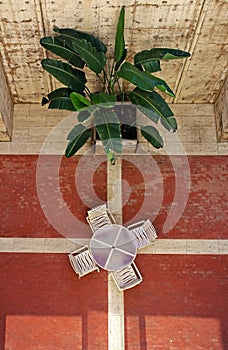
(106, 83)
(112, 69)
(120, 89)
(102, 81)
(88, 91)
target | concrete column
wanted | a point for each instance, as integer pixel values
(6, 108)
(221, 113)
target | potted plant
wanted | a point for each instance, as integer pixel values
(81, 50)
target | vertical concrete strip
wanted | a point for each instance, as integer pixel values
(114, 189)
(115, 316)
(6, 108)
(115, 298)
(221, 113)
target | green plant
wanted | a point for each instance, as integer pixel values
(82, 50)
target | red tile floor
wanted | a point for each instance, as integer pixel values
(43, 305)
(204, 217)
(182, 302)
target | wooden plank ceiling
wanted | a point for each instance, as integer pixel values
(198, 26)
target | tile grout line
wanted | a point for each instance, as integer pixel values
(115, 297)
(160, 246)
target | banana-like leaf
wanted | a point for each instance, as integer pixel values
(59, 48)
(119, 41)
(146, 56)
(69, 34)
(93, 58)
(169, 123)
(60, 92)
(143, 100)
(44, 101)
(79, 101)
(108, 128)
(71, 77)
(103, 100)
(61, 103)
(151, 134)
(83, 115)
(87, 113)
(154, 107)
(150, 66)
(143, 80)
(59, 99)
(122, 58)
(78, 137)
(163, 86)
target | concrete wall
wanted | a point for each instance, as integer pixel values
(33, 124)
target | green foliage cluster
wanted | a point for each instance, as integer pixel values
(80, 50)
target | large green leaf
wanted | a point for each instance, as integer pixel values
(71, 77)
(108, 128)
(151, 134)
(169, 123)
(119, 41)
(122, 58)
(104, 100)
(59, 48)
(149, 66)
(83, 115)
(154, 107)
(78, 137)
(162, 86)
(68, 34)
(87, 113)
(59, 99)
(93, 58)
(146, 56)
(143, 80)
(61, 103)
(60, 92)
(79, 101)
